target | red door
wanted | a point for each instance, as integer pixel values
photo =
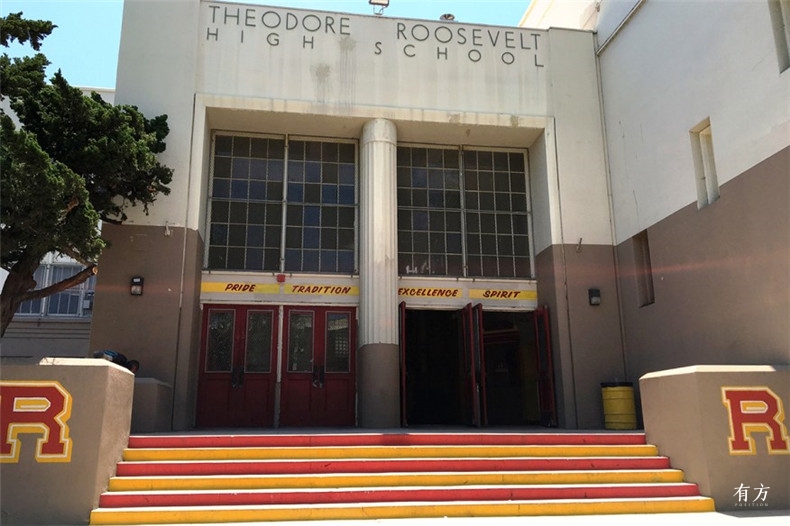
(548, 408)
(237, 380)
(318, 382)
(472, 331)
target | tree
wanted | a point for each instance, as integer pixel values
(73, 162)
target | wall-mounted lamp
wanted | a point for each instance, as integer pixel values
(379, 5)
(594, 296)
(136, 286)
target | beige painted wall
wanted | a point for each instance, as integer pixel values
(721, 279)
(160, 329)
(686, 416)
(34, 337)
(64, 492)
(586, 339)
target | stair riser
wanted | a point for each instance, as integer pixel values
(508, 509)
(261, 478)
(317, 453)
(389, 480)
(252, 498)
(405, 439)
(126, 469)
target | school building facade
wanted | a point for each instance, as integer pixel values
(383, 222)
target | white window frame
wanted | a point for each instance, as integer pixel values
(704, 164)
(780, 22)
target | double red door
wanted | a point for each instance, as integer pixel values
(249, 353)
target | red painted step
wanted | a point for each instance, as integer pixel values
(300, 467)
(372, 475)
(371, 495)
(386, 439)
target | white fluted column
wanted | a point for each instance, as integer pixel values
(378, 364)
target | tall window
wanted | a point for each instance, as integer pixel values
(75, 302)
(463, 213)
(644, 269)
(704, 164)
(281, 204)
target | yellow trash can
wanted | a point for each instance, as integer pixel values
(619, 408)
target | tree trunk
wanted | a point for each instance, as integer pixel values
(18, 282)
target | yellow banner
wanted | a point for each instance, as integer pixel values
(429, 292)
(502, 294)
(236, 287)
(323, 290)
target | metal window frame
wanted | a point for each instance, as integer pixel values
(287, 138)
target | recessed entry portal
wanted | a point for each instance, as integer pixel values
(470, 367)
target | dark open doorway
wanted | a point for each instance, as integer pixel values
(434, 368)
(470, 367)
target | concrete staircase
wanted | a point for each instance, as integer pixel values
(183, 479)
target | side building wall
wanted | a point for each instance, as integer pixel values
(704, 279)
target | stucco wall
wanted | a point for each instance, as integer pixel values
(721, 277)
(724, 426)
(88, 413)
(586, 339)
(160, 329)
(671, 66)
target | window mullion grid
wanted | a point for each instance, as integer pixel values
(284, 211)
(528, 197)
(462, 189)
(207, 234)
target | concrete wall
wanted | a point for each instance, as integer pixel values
(720, 272)
(586, 339)
(721, 277)
(29, 337)
(670, 66)
(724, 426)
(160, 329)
(85, 407)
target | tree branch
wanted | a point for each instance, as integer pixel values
(73, 254)
(80, 277)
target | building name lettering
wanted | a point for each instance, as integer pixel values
(462, 36)
(412, 39)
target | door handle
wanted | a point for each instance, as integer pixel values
(237, 378)
(318, 376)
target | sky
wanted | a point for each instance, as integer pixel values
(84, 46)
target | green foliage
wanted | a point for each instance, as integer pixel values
(45, 204)
(14, 27)
(112, 147)
(74, 161)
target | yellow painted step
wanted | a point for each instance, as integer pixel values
(282, 453)
(392, 479)
(403, 510)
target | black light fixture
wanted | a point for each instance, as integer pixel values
(594, 296)
(136, 286)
